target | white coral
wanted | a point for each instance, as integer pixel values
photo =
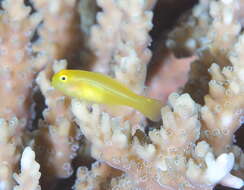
(29, 177)
(217, 170)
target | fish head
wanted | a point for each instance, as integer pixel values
(63, 81)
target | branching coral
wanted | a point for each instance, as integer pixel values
(97, 178)
(29, 177)
(161, 75)
(221, 115)
(126, 38)
(59, 34)
(18, 70)
(125, 54)
(191, 148)
(59, 38)
(9, 145)
(207, 42)
(169, 160)
(57, 138)
(18, 65)
(202, 176)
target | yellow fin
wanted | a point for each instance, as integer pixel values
(151, 108)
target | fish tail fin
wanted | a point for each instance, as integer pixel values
(151, 108)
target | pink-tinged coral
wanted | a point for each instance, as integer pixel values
(124, 26)
(60, 36)
(18, 65)
(167, 159)
(194, 171)
(125, 54)
(57, 139)
(191, 31)
(210, 46)
(199, 77)
(99, 177)
(194, 32)
(10, 153)
(221, 115)
(162, 76)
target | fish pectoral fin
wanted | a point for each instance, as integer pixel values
(151, 108)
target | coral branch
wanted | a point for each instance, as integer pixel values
(57, 139)
(193, 147)
(221, 115)
(17, 63)
(167, 162)
(97, 178)
(126, 39)
(29, 177)
(60, 36)
(10, 153)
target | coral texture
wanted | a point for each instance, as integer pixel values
(195, 68)
(29, 177)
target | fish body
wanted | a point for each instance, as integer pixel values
(102, 89)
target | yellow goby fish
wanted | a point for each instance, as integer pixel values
(99, 88)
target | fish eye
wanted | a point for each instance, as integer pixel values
(63, 78)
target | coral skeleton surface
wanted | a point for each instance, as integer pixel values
(188, 54)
